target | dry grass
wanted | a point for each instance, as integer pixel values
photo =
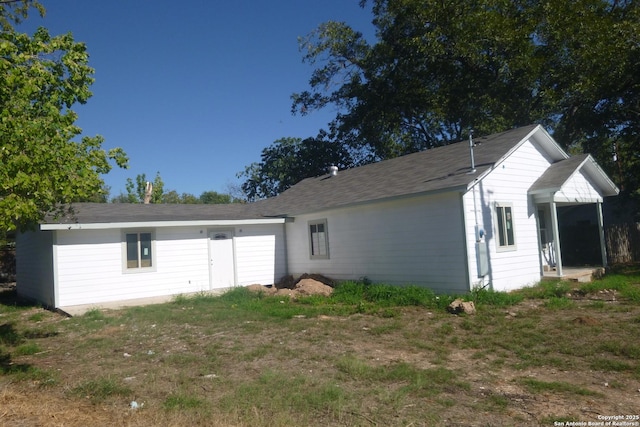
(244, 360)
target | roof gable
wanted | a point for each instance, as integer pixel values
(561, 172)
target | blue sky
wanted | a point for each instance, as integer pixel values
(195, 90)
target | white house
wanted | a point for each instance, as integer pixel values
(451, 218)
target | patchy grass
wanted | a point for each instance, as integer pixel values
(367, 355)
(99, 389)
(536, 386)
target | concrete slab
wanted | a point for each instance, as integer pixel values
(575, 274)
(79, 310)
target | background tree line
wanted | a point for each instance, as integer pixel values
(136, 194)
(437, 69)
(433, 70)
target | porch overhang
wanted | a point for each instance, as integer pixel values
(573, 181)
(576, 180)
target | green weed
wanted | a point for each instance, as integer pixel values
(37, 317)
(544, 290)
(25, 372)
(607, 365)
(496, 299)
(536, 386)
(100, 389)
(9, 335)
(558, 303)
(94, 314)
(180, 402)
(27, 349)
(621, 348)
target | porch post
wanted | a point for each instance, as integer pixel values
(556, 235)
(603, 243)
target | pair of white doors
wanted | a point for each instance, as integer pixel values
(221, 259)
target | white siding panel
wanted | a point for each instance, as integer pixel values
(578, 189)
(260, 254)
(90, 266)
(508, 183)
(90, 263)
(410, 241)
(34, 266)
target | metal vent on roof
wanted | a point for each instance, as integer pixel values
(333, 170)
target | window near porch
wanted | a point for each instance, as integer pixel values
(319, 242)
(139, 250)
(506, 237)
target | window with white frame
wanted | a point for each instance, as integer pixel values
(139, 250)
(318, 239)
(504, 221)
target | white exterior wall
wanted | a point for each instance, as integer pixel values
(34, 266)
(508, 183)
(578, 189)
(260, 254)
(90, 263)
(413, 241)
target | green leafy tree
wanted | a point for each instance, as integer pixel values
(189, 199)
(16, 11)
(288, 161)
(215, 198)
(136, 190)
(43, 166)
(437, 69)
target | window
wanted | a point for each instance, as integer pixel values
(139, 250)
(504, 215)
(319, 241)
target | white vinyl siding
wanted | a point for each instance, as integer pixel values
(90, 263)
(415, 241)
(508, 182)
(578, 189)
(260, 254)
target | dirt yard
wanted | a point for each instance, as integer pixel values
(528, 364)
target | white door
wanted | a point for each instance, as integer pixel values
(221, 265)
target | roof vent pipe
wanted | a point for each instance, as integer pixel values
(333, 170)
(473, 162)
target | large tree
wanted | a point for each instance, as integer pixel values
(289, 160)
(45, 164)
(439, 68)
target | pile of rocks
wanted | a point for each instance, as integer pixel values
(305, 285)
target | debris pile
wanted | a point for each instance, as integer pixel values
(307, 284)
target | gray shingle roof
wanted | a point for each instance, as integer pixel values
(92, 213)
(442, 168)
(558, 173)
